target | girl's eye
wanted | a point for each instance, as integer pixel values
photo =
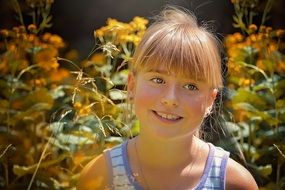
(157, 80)
(190, 87)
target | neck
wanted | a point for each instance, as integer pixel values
(166, 153)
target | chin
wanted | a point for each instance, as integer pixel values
(172, 134)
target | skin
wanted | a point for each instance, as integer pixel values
(168, 148)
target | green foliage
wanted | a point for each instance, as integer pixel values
(53, 120)
(256, 93)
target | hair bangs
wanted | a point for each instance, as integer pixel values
(180, 53)
(177, 44)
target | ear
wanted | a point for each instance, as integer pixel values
(210, 101)
(131, 84)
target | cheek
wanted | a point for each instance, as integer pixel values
(145, 95)
(197, 105)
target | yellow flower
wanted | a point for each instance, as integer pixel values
(98, 59)
(268, 29)
(32, 28)
(58, 75)
(4, 69)
(252, 28)
(138, 23)
(77, 105)
(56, 41)
(4, 33)
(99, 33)
(253, 37)
(38, 82)
(46, 37)
(72, 55)
(280, 33)
(280, 67)
(272, 47)
(245, 82)
(46, 59)
(262, 29)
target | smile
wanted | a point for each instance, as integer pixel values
(170, 117)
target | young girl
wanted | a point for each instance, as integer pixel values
(175, 77)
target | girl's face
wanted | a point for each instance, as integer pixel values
(168, 105)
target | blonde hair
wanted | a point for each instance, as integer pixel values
(176, 42)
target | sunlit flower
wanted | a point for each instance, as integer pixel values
(46, 59)
(139, 23)
(245, 82)
(39, 82)
(4, 33)
(22, 29)
(268, 29)
(58, 75)
(72, 55)
(32, 28)
(4, 69)
(252, 28)
(98, 59)
(56, 41)
(280, 67)
(280, 33)
(17, 104)
(77, 105)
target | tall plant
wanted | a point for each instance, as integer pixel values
(54, 120)
(256, 82)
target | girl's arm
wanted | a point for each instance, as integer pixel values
(239, 178)
(94, 175)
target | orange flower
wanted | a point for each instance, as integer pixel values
(280, 33)
(39, 82)
(280, 67)
(4, 69)
(77, 105)
(98, 59)
(56, 41)
(32, 28)
(252, 28)
(58, 75)
(17, 104)
(4, 33)
(46, 59)
(46, 37)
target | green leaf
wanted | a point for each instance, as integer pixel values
(24, 170)
(252, 98)
(73, 140)
(120, 78)
(265, 170)
(57, 92)
(116, 94)
(279, 90)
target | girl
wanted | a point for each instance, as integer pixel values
(175, 77)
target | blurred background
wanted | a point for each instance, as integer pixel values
(76, 20)
(63, 99)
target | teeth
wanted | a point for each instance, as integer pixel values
(168, 116)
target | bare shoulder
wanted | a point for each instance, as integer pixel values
(238, 177)
(94, 175)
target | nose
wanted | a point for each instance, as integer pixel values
(169, 97)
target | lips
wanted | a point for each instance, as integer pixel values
(167, 116)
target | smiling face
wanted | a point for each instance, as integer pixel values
(167, 105)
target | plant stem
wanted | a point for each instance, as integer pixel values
(18, 10)
(266, 11)
(6, 174)
(278, 172)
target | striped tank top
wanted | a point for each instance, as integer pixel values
(121, 177)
